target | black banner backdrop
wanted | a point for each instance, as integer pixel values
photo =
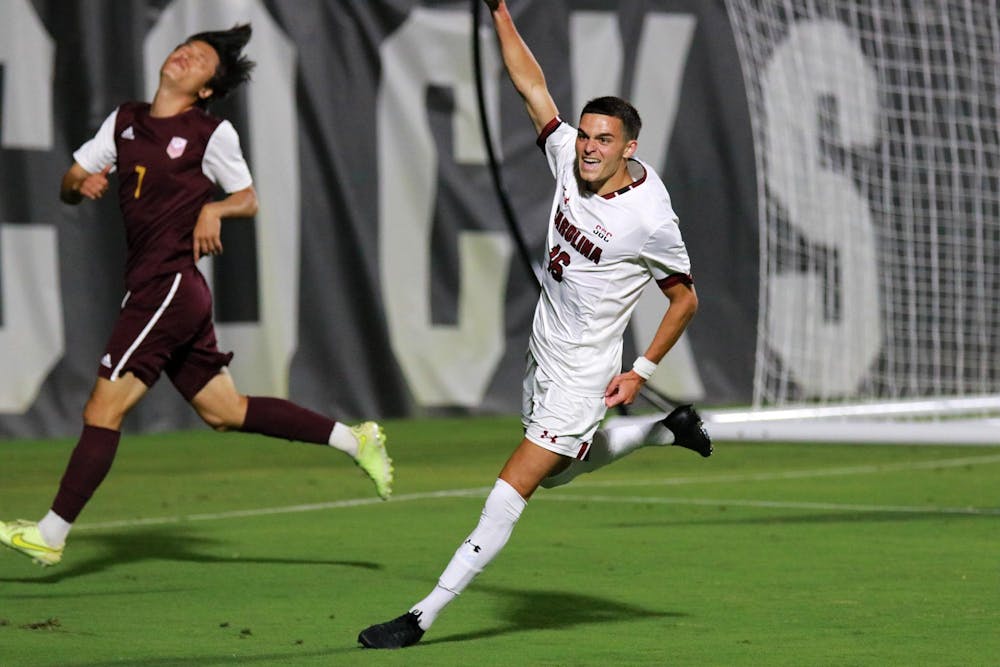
(378, 278)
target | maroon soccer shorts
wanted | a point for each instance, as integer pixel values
(166, 326)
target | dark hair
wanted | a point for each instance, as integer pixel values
(234, 67)
(618, 108)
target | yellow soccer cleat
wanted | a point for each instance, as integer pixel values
(372, 457)
(24, 537)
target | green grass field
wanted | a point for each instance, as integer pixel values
(207, 549)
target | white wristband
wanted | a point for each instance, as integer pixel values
(643, 367)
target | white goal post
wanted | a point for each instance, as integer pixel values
(876, 127)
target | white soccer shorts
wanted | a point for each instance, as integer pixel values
(557, 419)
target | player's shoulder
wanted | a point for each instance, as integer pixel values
(646, 191)
(205, 115)
(652, 201)
(133, 106)
(206, 119)
(556, 131)
(651, 177)
(204, 127)
(132, 109)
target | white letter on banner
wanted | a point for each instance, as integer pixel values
(264, 349)
(596, 56)
(444, 365)
(828, 356)
(31, 334)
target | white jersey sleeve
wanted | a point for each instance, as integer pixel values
(558, 139)
(223, 162)
(99, 151)
(665, 253)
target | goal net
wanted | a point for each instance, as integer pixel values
(875, 126)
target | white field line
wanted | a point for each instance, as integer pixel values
(775, 504)
(668, 481)
(288, 509)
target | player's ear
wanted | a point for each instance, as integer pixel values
(631, 147)
(205, 93)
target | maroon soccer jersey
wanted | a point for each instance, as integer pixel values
(161, 187)
(168, 169)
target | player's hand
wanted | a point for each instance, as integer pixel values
(207, 233)
(492, 4)
(623, 389)
(95, 185)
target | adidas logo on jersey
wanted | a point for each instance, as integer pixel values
(128, 133)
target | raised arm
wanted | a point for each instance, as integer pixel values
(523, 69)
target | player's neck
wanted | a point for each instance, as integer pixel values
(613, 183)
(168, 103)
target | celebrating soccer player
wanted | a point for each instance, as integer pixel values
(171, 157)
(611, 230)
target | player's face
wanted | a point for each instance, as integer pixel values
(601, 149)
(191, 66)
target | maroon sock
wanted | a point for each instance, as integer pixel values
(88, 466)
(279, 418)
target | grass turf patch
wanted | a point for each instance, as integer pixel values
(208, 549)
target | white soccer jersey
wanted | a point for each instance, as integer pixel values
(602, 250)
(223, 162)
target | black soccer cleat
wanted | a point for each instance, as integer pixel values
(397, 633)
(688, 430)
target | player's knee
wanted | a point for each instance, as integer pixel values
(225, 417)
(217, 421)
(102, 415)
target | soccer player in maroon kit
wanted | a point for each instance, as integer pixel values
(171, 157)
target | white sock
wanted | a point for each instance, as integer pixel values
(342, 438)
(611, 444)
(502, 510)
(54, 529)
(432, 605)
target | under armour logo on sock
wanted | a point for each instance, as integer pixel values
(475, 547)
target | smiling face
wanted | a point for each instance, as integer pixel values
(190, 67)
(602, 153)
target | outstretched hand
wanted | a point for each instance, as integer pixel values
(623, 389)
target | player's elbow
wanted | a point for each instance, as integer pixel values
(253, 206)
(692, 307)
(69, 190)
(249, 203)
(71, 197)
(686, 303)
(693, 303)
